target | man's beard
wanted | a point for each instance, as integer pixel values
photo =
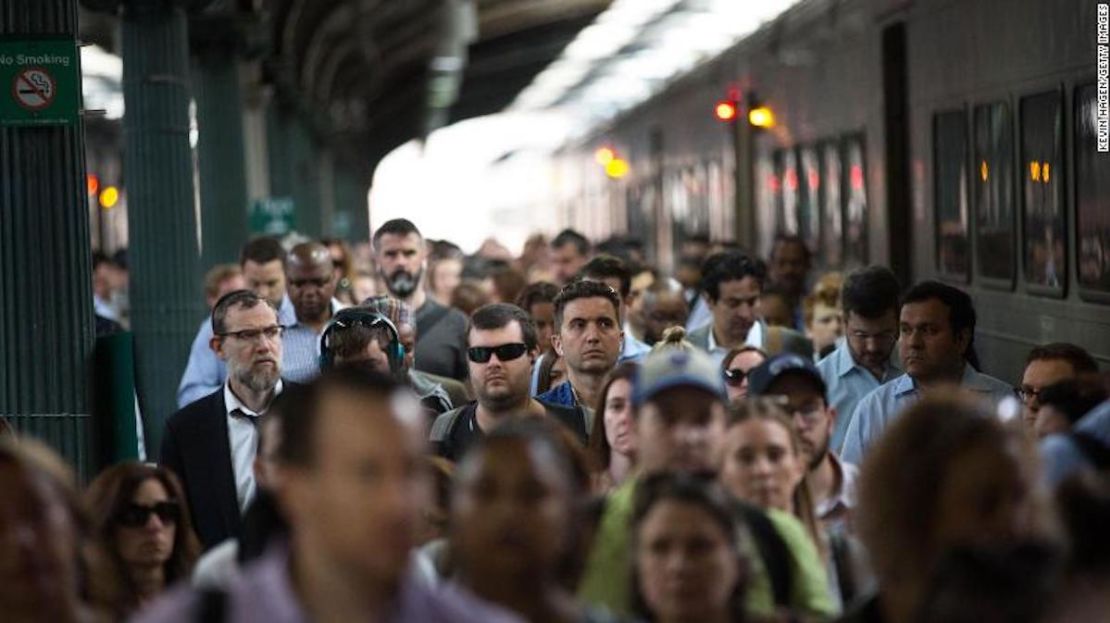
(260, 382)
(402, 283)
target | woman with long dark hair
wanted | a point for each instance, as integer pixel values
(140, 514)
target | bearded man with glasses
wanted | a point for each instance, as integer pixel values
(501, 347)
(211, 443)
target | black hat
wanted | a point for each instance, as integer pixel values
(766, 373)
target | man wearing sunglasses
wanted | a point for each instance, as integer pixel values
(211, 443)
(798, 382)
(501, 347)
(310, 274)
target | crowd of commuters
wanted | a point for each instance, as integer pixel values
(575, 436)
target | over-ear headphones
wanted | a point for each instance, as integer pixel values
(354, 317)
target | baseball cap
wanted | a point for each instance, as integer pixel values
(762, 376)
(670, 367)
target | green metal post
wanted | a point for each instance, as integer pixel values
(46, 320)
(306, 189)
(166, 303)
(221, 155)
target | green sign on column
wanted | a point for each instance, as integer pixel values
(39, 82)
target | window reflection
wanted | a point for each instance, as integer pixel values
(855, 189)
(950, 170)
(809, 218)
(994, 195)
(1092, 196)
(1043, 201)
(832, 230)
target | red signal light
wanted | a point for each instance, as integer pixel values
(92, 184)
(726, 110)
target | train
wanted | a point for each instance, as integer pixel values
(948, 139)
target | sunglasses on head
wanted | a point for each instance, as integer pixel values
(735, 377)
(137, 515)
(504, 352)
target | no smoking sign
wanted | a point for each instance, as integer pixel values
(34, 88)
(40, 82)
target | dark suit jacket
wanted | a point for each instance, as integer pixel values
(196, 448)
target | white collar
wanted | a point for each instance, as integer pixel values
(755, 337)
(233, 404)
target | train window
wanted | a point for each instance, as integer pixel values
(832, 211)
(950, 189)
(809, 217)
(855, 191)
(1092, 197)
(1045, 228)
(993, 175)
(786, 167)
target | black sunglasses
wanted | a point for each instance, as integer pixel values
(137, 515)
(504, 352)
(735, 377)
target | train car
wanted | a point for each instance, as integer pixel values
(948, 139)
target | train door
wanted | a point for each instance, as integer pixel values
(896, 129)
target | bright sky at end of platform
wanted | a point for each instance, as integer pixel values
(636, 47)
(480, 178)
(102, 81)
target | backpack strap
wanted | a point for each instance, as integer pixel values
(773, 551)
(444, 425)
(425, 324)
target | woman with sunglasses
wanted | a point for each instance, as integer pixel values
(735, 367)
(138, 511)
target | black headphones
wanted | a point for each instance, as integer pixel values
(354, 317)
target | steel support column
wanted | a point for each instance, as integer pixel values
(166, 299)
(221, 156)
(46, 322)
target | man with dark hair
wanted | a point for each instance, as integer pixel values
(588, 338)
(790, 263)
(262, 261)
(664, 306)
(501, 347)
(569, 251)
(352, 490)
(862, 360)
(732, 283)
(1047, 365)
(401, 256)
(614, 273)
(211, 443)
(832, 482)
(379, 334)
(937, 330)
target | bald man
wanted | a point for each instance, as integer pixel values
(310, 280)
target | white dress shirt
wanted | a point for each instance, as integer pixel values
(242, 439)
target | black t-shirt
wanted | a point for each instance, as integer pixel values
(465, 429)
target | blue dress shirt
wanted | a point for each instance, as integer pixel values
(1062, 457)
(633, 349)
(300, 355)
(877, 409)
(205, 373)
(847, 382)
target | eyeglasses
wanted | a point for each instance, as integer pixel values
(271, 332)
(810, 414)
(504, 352)
(885, 338)
(735, 377)
(1028, 393)
(137, 515)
